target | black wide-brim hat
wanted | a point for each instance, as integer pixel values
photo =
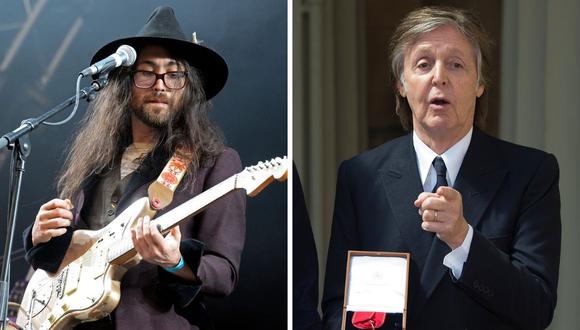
(163, 29)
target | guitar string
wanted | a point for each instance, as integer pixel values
(180, 212)
(204, 199)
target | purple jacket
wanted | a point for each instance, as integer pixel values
(212, 244)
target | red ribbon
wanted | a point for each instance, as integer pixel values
(368, 320)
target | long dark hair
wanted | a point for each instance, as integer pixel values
(105, 132)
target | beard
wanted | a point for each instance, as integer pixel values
(156, 116)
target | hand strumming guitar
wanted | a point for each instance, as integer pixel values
(52, 219)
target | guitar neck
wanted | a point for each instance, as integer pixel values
(172, 218)
(195, 205)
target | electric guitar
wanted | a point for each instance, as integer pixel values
(87, 285)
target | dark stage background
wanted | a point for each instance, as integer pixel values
(45, 43)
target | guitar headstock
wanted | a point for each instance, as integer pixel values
(255, 178)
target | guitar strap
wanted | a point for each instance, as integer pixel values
(161, 190)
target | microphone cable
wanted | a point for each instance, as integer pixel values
(76, 106)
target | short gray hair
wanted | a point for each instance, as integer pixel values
(427, 19)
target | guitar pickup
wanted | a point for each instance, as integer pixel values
(72, 279)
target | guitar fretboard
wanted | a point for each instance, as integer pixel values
(178, 214)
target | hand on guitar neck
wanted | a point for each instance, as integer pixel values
(87, 284)
(52, 220)
(159, 250)
(55, 216)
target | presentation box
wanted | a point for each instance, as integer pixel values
(376, 283)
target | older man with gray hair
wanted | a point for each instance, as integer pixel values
(479, 216)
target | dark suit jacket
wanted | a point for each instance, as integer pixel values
(152, 298)
(304, 263)
(510, 198)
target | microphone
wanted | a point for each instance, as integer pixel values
(125, 55)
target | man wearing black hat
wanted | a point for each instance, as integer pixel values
(146, 114)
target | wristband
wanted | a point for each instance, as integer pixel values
(177, 267)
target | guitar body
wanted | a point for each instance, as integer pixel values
(87, 285)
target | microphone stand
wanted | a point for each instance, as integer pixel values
(18, 141)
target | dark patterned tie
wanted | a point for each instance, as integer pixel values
(441, 171)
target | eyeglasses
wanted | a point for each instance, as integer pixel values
(171, 79)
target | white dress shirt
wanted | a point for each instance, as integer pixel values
(453, 158)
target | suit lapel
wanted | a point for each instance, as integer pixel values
(146, 173)
(402, 184)
(479, 178)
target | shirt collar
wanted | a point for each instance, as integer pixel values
(453, 157)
